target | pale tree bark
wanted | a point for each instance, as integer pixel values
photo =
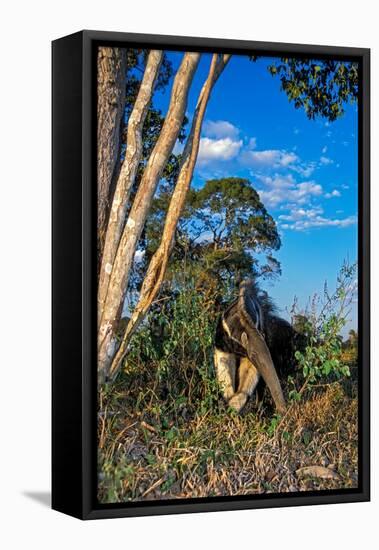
(158, 263)
(111, 77)
(127, 174)
(122, 265)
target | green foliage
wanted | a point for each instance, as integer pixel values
(177, 342)
(224, 227)
(293, 394)
(230, 209)
(321, 88)
(350, 349)
(322, 356)
(119, 471)
(272, 425)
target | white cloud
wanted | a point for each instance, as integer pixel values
(274, 158)
(288, 158)
(278, 159)
(319, 221)
(138, 256)
(278, 180)
(220, 129)
(305, 169)
(218, 149)
(334, 193)
(302, 219)
(280, 189)
(302, 213)
(299, 193)
(325, 160)
(324, 149)
(221, 143)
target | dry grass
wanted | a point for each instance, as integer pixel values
(151, 447)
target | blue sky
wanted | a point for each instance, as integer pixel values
(305, 171)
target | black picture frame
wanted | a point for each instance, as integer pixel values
(74, 469)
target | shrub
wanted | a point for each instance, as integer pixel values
(322, 357)
(176, 342)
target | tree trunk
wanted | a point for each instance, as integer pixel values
(127, 174)
(111, 77)
(121, 268)
(158, 264)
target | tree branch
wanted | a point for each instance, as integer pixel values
(127, 174)
(120, 272)
(159, 261)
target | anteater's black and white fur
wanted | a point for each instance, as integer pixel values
(251, 342)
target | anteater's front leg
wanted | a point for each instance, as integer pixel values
(248, 378)
(225, 365)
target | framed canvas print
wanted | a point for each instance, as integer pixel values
(210, 274)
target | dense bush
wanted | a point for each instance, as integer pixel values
(176, 342)
(323, 356)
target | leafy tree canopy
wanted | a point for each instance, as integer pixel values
(231, 214)
(321, 88)
(224, 227)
